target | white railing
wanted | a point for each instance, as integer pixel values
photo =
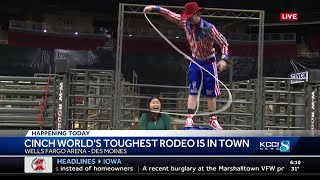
(49, 28)
(179, 34)
(27, 25)
(309, 54)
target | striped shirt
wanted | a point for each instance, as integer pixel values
(201, 37)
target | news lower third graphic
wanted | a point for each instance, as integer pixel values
(155, 152)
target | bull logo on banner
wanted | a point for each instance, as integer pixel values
(38, 164)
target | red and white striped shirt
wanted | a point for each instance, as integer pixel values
(201, 42)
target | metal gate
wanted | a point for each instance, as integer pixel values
(27, 102)
(90, 99)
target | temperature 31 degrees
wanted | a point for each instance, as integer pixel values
(295, 169)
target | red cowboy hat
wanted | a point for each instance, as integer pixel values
(190, 9)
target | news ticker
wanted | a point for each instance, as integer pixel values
(160, 165)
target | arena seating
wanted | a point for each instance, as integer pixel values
(251, 50)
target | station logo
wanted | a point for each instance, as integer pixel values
(38, 165)
(282, 146)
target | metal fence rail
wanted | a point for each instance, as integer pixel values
(90, 103)
(21, 99)
(175, 100)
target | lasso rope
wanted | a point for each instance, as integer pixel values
(226, 106)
